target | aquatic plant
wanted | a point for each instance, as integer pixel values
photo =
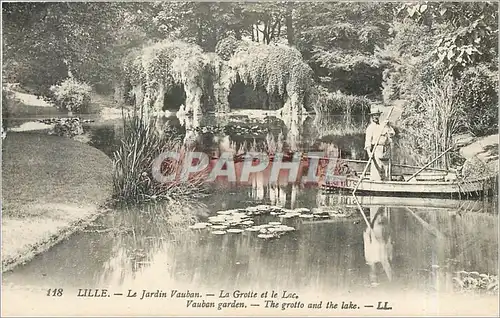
(133, 162)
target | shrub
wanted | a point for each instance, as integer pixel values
(475, 283)
(71, 95)
(478, 98)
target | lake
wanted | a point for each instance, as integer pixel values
(407, 246)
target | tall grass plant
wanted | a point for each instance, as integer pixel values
(133, 162)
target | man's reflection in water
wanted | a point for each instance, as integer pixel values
(378, 243)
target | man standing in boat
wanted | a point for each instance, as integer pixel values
(381, 150)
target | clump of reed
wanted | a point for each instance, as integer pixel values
(338, 103)
(133, 179)
(430, 123)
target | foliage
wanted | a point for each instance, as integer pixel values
(156, 67)
(428, 126)
(438, 43)
(132, 165)
(200, 23)
(164, 61)
(44, 42)
(473, 282)
(467, 32)
(339, 39)
(278, 68)
(478, 98)
(71, 95)
(227, 47)
(408, 62)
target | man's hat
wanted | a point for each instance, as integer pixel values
(375, 109)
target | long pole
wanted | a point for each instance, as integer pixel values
(372, 154)
(426, 225)
(428, 164)
(362, 212)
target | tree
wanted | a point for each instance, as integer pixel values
(47, 42)
(339, 40)
(467, 33)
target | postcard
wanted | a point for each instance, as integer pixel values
(293, 158)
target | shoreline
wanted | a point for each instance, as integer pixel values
(8, 264)
(52, 188)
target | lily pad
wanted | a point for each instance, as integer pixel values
(263, 226)
(198, 226)
(224, 212)
(235, 231)
(285, 228)
(219, 227)
(214, 219)
(266, 236)
(302, 210)
(253, 229)
(218, 232)
(306, 216)
(274, 223)
(321, 216)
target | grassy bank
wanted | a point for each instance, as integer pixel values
(51, 187)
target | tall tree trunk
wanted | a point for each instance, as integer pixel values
(239, 25)
(237, 33)
(290, 35)
(211, 41)
(267, 40)
(199, 35)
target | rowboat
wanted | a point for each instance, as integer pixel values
(420, 188)
(402, 202)
(431, 182)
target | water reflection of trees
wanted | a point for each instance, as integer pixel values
(211, 132)
(143, 232)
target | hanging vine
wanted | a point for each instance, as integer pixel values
(279, 69)
(208, 78)
(155, 68)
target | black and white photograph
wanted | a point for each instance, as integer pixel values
(250, 158)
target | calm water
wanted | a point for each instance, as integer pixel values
(421, 243)
(136, 246)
